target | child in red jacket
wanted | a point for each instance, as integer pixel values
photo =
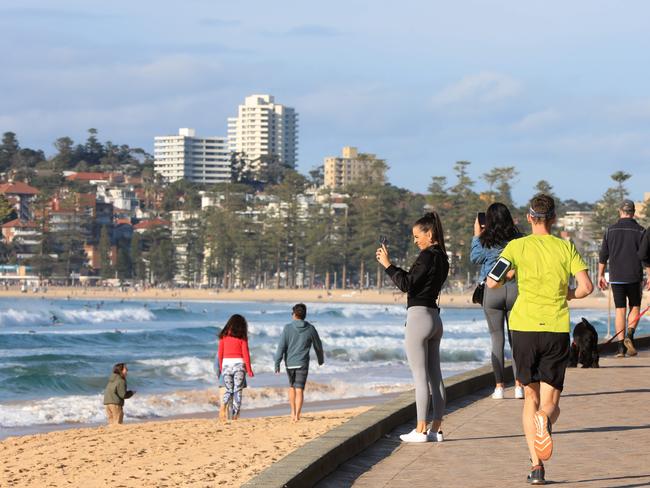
(234, 362)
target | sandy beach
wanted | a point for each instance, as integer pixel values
(195, 452)
(385, 296)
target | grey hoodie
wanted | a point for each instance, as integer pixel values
(295, 343)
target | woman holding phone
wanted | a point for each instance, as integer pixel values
(487, 244)
(422, 283)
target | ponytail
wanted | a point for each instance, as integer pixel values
(431, 222)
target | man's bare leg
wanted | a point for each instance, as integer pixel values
(299, 400)
(619, 324)
(531, 406)
(544, 397)
(632, 320)
(292, 402)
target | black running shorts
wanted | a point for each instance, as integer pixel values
(541, 356)
(297, 377)
(629, 291)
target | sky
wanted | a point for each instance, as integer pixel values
(559, 90)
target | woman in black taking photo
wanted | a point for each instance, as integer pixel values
(487, 244)
(422, 283)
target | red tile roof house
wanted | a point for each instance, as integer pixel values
(23, 193)
(145, 225)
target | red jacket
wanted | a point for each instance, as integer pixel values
(232, 347)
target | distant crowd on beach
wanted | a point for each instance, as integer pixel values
(525, 284)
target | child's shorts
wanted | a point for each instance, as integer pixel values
(297, 377)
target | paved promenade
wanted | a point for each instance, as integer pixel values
(602, 439)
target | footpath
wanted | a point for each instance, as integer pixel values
(602, 439)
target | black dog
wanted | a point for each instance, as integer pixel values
(584, 348)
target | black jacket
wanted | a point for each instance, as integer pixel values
(644, 249)
(620, 247)
(423, 281)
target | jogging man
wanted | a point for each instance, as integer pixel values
(620, 248)
(539, 322)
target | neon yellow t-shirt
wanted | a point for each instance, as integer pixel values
(543, 265)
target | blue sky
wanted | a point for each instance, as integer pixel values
(560, 90)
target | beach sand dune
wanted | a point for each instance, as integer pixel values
(162, 454)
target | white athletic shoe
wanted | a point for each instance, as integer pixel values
(435, 436)
(414, 436)
(498, 393)
(519, 392)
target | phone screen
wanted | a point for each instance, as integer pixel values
(499, 269)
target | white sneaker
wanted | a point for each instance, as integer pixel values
(414, 436)
(498, 393)
(519, 392)
(435, 436)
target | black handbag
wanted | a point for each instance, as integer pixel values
(479, 291)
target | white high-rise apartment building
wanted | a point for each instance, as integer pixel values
(195, 159)
(264, 128)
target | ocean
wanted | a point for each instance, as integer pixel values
(56, 355)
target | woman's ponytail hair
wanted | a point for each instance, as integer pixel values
(431, 222)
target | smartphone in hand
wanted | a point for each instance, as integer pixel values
(383, 241)
(481, 219)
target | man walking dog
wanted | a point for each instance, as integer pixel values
(539, 322)
(620, 247)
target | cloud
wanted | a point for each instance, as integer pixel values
(537, 120)
(482, 88)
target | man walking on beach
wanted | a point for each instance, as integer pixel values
(539, 322)
(620, 248)
(295, 343)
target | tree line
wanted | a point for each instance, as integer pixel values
(263, 234)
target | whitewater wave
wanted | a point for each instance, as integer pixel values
(27, 318)
(78, 409)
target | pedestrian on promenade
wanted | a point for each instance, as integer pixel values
(296, 341)
(487, 244)
(620, 248)
(539, 322)
(234, 363)
(422, 283)
(115, 394)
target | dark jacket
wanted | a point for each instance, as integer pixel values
(424, 280)
(644, 249)
(620, 247)
(295, 343)
(115, 391)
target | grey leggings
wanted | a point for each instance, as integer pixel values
(422, 340)
(497, 304)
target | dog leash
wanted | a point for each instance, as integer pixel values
(634, 323)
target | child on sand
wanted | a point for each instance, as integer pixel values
(234, 362)
(115, 394)
(295, 343)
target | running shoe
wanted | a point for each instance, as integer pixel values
(629, 344)
(536, 476)
(519, 392)
(498, 393)
(543, 439)
(414, 436)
